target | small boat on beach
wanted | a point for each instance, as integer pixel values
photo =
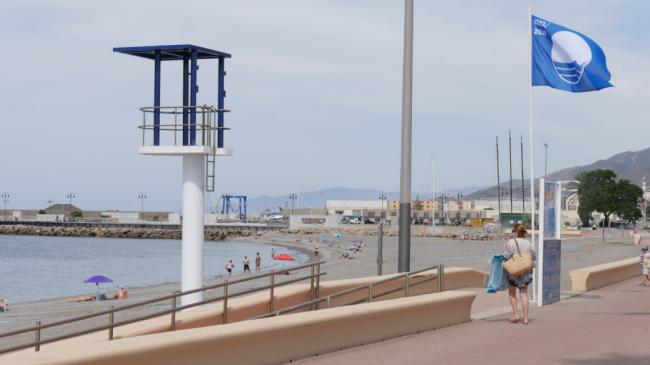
(283, 256)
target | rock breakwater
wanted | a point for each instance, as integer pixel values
(211, 234)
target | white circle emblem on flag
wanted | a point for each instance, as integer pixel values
(570, 55)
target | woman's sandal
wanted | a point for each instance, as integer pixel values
(525, 322)
(514, 320)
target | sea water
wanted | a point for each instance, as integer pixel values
(39, 267)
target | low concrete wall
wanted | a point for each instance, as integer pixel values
(242, 308)
(594, 277)
(273, 340)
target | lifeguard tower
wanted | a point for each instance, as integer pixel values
(195, 132)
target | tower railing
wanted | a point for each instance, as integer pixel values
(172, 126)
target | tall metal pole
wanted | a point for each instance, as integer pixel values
(523, 189)
(433, 193)
(142, 197)
(383, 198)
(498, 185)
(404, 252)
(645, 205)
(510, 152)
(530, 142)
(70, 196)
(545, 159)
(458, 208)
(5, 199)
(380, 248)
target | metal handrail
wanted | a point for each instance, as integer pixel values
(162, 109)
(178, 127)
(368, 286)
(111, 312)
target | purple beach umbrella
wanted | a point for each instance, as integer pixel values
(98, 279)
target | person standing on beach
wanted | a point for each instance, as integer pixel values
(258, 262)
(272, 252)
(229, 267)
(247, 264)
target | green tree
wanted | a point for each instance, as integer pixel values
(76, 214)
(599, 191)
(629, 197)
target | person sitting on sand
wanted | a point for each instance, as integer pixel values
(4, 306)
(84, 298)
(122, 293)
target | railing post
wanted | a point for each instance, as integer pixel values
(318, 283)
(144, 126)
(406, 286)
(272, 298)
(203, 125)
(311, 286)
(369, 292)
(173, 324)
(37, 346)
(175, 126)
(441, 278)
(329, 301)
(111, 320)
(225, 302)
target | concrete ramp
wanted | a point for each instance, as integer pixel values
(268, 341)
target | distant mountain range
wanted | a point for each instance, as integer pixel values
(317, 199)
(627, 165)
(632, 166)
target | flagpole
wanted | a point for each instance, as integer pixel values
(530, 143)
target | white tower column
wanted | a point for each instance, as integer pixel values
(192, 246)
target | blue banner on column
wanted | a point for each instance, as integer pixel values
(552, 271)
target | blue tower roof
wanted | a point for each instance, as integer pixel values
(172, 52)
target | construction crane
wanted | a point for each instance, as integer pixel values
(226, 205)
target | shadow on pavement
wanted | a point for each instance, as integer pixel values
(617, 359)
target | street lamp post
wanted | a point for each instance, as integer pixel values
(142, 197)
(70, 196)
(5, 199)
(293, 198)
(383, 198)
(404, 251)
(645, 204)
(443, 220)
(459, 203)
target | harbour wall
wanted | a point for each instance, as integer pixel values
(146, 231)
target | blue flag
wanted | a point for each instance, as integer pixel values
(565, 59)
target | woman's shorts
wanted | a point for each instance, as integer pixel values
(519, 283)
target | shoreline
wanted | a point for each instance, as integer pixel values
(155, 287)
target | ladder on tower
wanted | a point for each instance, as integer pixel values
(209, 171)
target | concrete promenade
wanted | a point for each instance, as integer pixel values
(605, 326)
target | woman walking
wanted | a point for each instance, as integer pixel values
(518, 248)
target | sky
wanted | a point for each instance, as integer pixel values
(315, 92)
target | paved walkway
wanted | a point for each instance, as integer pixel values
(606, 326)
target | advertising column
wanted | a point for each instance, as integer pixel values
(550, 248)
